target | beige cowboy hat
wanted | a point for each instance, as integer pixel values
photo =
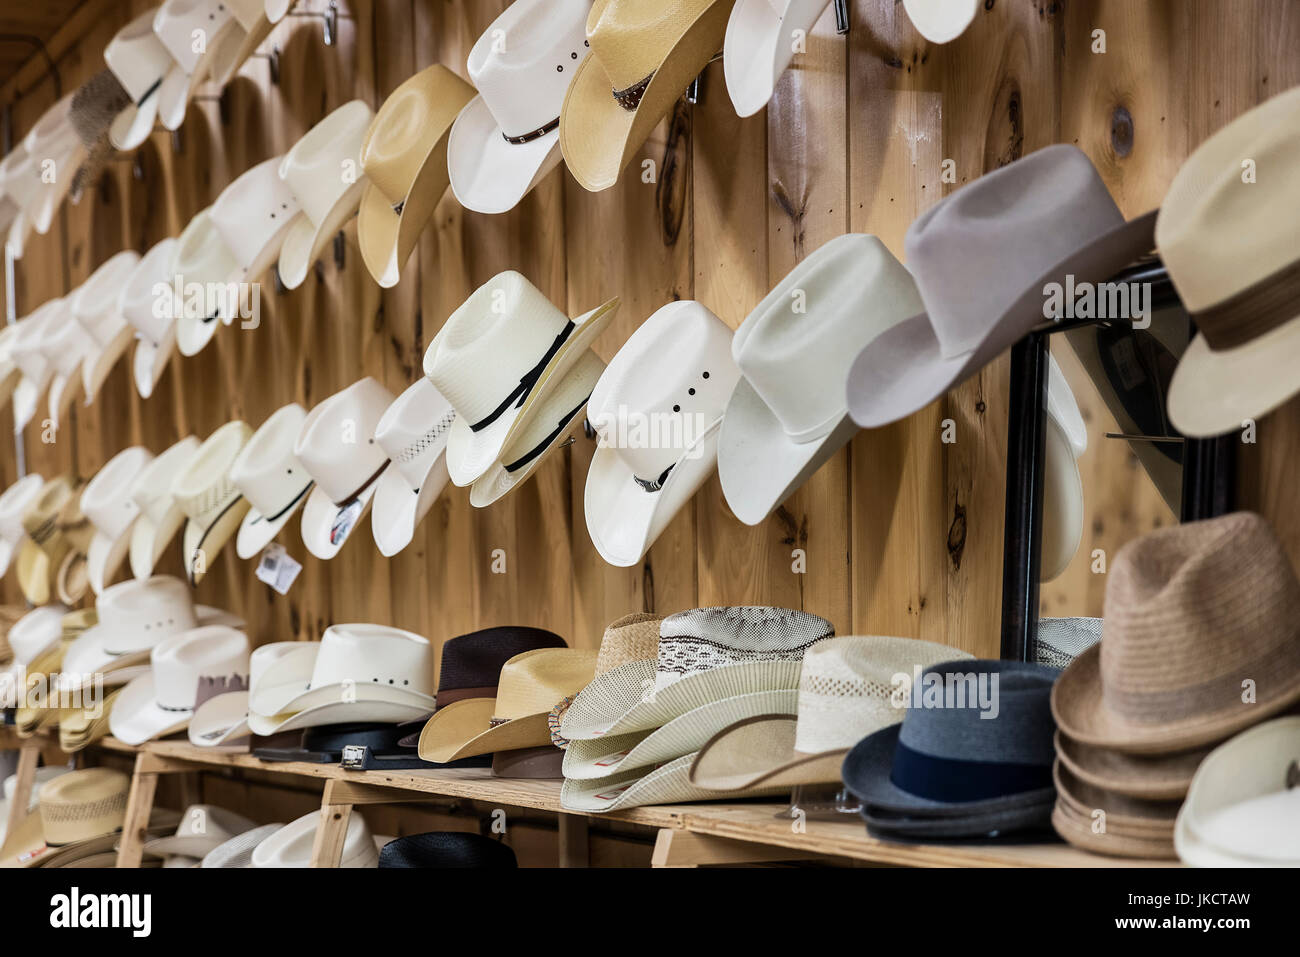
(79, 728)
(644, 54)
(53, 560)
(210, 500)
(13, 503)
(79, 813)
(404, 157)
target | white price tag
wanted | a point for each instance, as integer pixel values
(277, 568)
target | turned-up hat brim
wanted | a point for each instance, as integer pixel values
(488, 173)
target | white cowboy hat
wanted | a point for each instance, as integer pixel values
(323, 172)
(56, 152)
(203, 264)
(781, 423)
(276, 9)
(32, 361)
(252, 26)
(254, 215)
(161, 701)
(358, 673)
(95, 306)
(151, 314)
(667, 784)
(65, 344)
(496, 357)
(238, 851)
(13, 503)
(413, 434)
(30, 637)
(180, 25)
(762, 36)
(202, 829)
(138, 59)
(160, 516)
(336, 445)
(507, 139)
(657, 410)
(10, 374)
(941, 21)
(15, 175)
(222, 720)
(272, 479)
(1243, 808)
(291, 845)
(107, 503)
(209, 499)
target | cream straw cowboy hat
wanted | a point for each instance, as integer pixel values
(139, 61)
(413, 434)
(79, 812)
(60, 537)
(254, 215)
(203, 265)
(1233, 260)
(56, 152)
(222, 720)
(657, 410)
(203, 828)
(140, 304)
(13, 502)
(667, 784)
(15, 173)
(32, 360)
(405, 159)
(276, 9)
(336, 446)
(497, 358)
(644, 54)
(192, 31)
(95, 305)
(65, 345)
(43, 776)
(252, 27)
(160, 515)
(291, 845)
(530, 685)
(237, 853)
(323, 172)
(10, 374)
(211, 501)
(941, 21)
(32, 636)
(108, 504)
(507, 140)
(272, 479)
(762, 37)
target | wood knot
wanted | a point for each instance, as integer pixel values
(1121, 131)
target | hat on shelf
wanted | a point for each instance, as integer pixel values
(336, 446)
(272, 479)
(180, 24)
(39, 707)
(1061, 640)
(213, 505)
(139, 304)
(404, 157)
(13, 503)
(31, 637)
(413, 434)
(1117, 825)
(202, 265)
(139, 61)
(447, 849)
(644, 54)
(941, 21)
(982, 257)
(323, 172)
(79, 728)
(1152, 777)
(160, 516)
(666, 784)
(252, 27)
(761, 40)
(254, 215)
(501, 359)
(221, 719)
(237, 852)
(161, 701)
(95, 305)
(78, 814)
(506, 140)
(291, 845)
(202, 829)
(107, 502)
(42, 776)
(657, 409)
(633, 637)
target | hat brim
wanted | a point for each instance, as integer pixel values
(320, 514)
(377, 693)
(132, 126)
(178, 87)
(7, 551)
(149, 541)
(760, 45)
(210, 540)
(462, 730)
(498, 482)
(186, 845)
(336, 712)
(95, 368)
(150, 361)
(1062, 503)
(1081, 713)
(71, 582)
(193, 334)
(1124, 814)
(904, 369)
(221, 721)
(592, 759)
(136, 716)
(35, 573)
(488, 173)
(387, 237)
(1002, 824)
(43, 217)
(398, 509)
(256, 531)
(305, 240)
(941, 21)
(1080, 834)
(598, 137)
(760, 750)
(1155, 778)
(668, 784)
(63, 390)
(26, 396)
(237, 47)
(105, 557)
(470, 454)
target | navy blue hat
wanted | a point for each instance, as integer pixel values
(446, 849)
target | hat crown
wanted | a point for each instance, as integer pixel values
(323, 165)
(373, 654)
(1218, 230)
(336, 442)
(202, 256)
(36, 631)
(136, 615)
(536, 681)
(83, 804)
(523, 64)
(848, 685)
(1194, 610)
(14, 501)
(413, 430)
(810, 327)
(266, 471)
(631, 38)
(252, 211)
(203, 489)
(139, 302)
(152, 488)
(181, 661)
(665, 388)
(94, 304)
(137, 57)
(176, 22)
(492, 342)
(65, 344)
(977, 250)
(210, 821)
(474, 661)
(702, 639)
(53, 137)
(633, 637)
(45, 517)
(264, 656)
(291, 846)
(107, 500)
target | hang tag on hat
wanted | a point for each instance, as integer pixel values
(277, 568)
(347, 516)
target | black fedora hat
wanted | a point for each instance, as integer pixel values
(446, 849)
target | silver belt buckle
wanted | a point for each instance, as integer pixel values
(354, 757)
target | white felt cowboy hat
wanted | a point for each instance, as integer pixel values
(782, 423)
(211, 502)
(66, 345)
(30, 637)
(56, 153)
(139, 61)
(291, 845)
(222, 720)
(108, 504)
(658, 410)
(507, 139)
(95, 305)
(202, 829)
(762, 37)
(13, 503)
(496, 357)
(323, 172)
(146, 302)
(161, 701)
(252, 27)
(254, 215)
(160, 515)
(358, 673)
(272, 479)
(203, 264)
(413, 434)
(337, 447)
(941, 21)
(192, 31)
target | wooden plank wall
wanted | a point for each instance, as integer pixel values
(903, 534)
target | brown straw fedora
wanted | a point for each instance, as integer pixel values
(404, 156)
(1202, 639)
(644, 54)
(1154, 777)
